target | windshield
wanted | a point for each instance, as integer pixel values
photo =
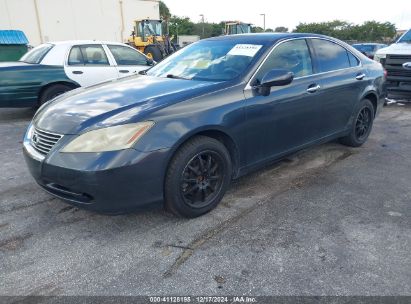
(149, 28)
(244, 28)
(37, 54)
(238, 29)
(406, 37)
(213, 60)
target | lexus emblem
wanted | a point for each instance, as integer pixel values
(407, 65)
(34, 138)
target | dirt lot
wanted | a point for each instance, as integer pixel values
(330, 220)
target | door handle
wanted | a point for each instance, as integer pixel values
(124, 71)
(77, 72)
(313, 88)
(360, 76)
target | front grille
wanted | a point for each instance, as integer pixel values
(43, 141)
(403, 57)
(400, 73)
(394, 66)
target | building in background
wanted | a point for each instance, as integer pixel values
(54, 20)
(184, 40)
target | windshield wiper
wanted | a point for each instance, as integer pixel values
(176, 77)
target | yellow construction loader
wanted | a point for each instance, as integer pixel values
(237, 27)
(148, 38)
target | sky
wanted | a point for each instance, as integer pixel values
(292, 12)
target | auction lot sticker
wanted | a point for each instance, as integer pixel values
(245, 50)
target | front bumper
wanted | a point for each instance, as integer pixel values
(397, 90)
(108, 182)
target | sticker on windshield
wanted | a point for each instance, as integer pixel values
(244, 50)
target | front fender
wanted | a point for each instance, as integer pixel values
(222, 111)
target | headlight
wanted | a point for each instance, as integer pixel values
(378, 57)
(109, 139)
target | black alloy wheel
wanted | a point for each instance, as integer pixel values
(363, 123)
(197, 177)
(202, 179)
(361, 127)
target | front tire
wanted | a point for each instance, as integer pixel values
(53, 91)
(362, 125)
(197, 177)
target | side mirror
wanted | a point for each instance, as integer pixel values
(275, 78)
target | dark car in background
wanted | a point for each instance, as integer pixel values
(209, 113)
(369, 49)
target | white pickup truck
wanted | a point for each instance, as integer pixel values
(396, 59)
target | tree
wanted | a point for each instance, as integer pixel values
(269, 30)
(281, 29)
(181, 26)
(376, 31)
(257, 29)
(369, 31)
(336, 28)
(210, 29)
(164, 11)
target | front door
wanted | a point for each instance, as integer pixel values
(291, 115)
(128, 60)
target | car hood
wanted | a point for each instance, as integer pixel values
(396, 48)
(116, 102)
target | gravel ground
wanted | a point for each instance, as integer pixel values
(329, 220)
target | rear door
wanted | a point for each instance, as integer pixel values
(89, 65)
(128, 61)
(342, 79)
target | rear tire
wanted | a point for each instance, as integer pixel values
(197, 177)
(53, 91)
(362, 125)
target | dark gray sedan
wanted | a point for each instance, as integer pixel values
(210, 113)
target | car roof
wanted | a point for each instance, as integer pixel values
(266, 37)
(76, 42)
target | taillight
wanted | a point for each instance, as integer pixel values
(385, 73)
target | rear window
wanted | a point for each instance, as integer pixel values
(37, 54)
(353, 60)
(330, 55)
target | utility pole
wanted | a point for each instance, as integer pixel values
(202, 21)
(263, 19)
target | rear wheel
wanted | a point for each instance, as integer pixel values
(198, 177)
(53, 91)
(362, 125)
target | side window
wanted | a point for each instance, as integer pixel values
(353, 60)
(127, 56)
(291, 55)
(88, 55)
(330, 55)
